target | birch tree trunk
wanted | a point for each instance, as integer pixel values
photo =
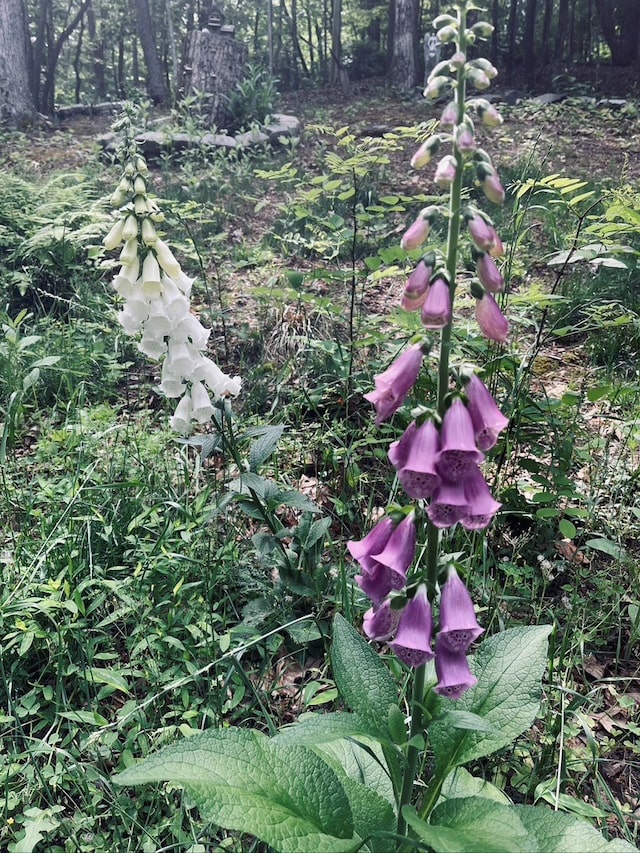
(16, 102)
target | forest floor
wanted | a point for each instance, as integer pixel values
(572, 138)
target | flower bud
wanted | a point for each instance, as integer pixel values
(488, 273)
(140, 186)
(449, 117)
(140, 205)
(446, 172)
(416, 234)
(458, 60)
(493, 324)
(464, 139)
(484, 65)
(130, 230)
(482, 233)
(149, 236)
(129, 252)
(426, 151)
(125, 185)
(115, 236)
(491, 186)
(443, 21)
(415, 291)
(448, 33)
(118, 198)
(478, 78)
(436, 87)
(166, 259)
(141, 165)
(482, 29)
(436, 311)
(489, 115)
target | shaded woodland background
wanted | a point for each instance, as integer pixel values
(97, 50)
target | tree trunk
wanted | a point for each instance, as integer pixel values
(511, 30)
(561, 30)
(156, 83)
(404, 60)
(529, 42)
(337, 73)
(546, 31)
(16, 102)
(214, 64)
(620, 24)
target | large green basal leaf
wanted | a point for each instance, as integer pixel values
(473, 825)
(509, 668)
(363, 680)
(558, 832)
(285, 795)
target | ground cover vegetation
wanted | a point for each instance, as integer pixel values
(155, 586)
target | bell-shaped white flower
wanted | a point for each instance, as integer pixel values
(201, 403)
(129, 252)
(175, 304)
(166, 259)
(189, 328)
(216, 381)
(114, 237)
(181, 420)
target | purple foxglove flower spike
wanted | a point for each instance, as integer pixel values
(487, 419)
(458, 452)
(458, 624)
(493, 324)
(454, 676)
(448, 505)
(415, 291)
(436, 311)
(400, 550)
(413, 637)
(489, 274)
(393, 385)
(481, 505)
(417, 472)
(445, 172)
(380, 623)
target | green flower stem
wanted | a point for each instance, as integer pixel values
(433, 534)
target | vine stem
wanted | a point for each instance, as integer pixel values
(433, 534)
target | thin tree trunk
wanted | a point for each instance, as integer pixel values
(77, 56)
(16, 101)
(156, 83)
(511, 30)
(529, 41)
(404, 62)
(561, 30)
(48, 91)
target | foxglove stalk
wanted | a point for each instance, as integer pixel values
(155, 293)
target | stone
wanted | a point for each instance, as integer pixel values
(612, 103)
(282, 127)
(512, 97)
(153, 142)
(218, 140)
(549, 98)
(250, 138)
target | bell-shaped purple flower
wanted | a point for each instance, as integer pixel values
(418, 231)
(493, 324)
(489, 274)
(481, 505)
(452, 669)
(416, 471)
(445, 172)
(399, 450)
(436, 311)
(448, 505)
(415, 290)
(375, 581)
(487, 419)
(374, 542)
(482, 234)
(491, 185)
(393, 385)
(412, 643)
(380, 623)
(458, 453)
(399, 551)
(458, 624)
